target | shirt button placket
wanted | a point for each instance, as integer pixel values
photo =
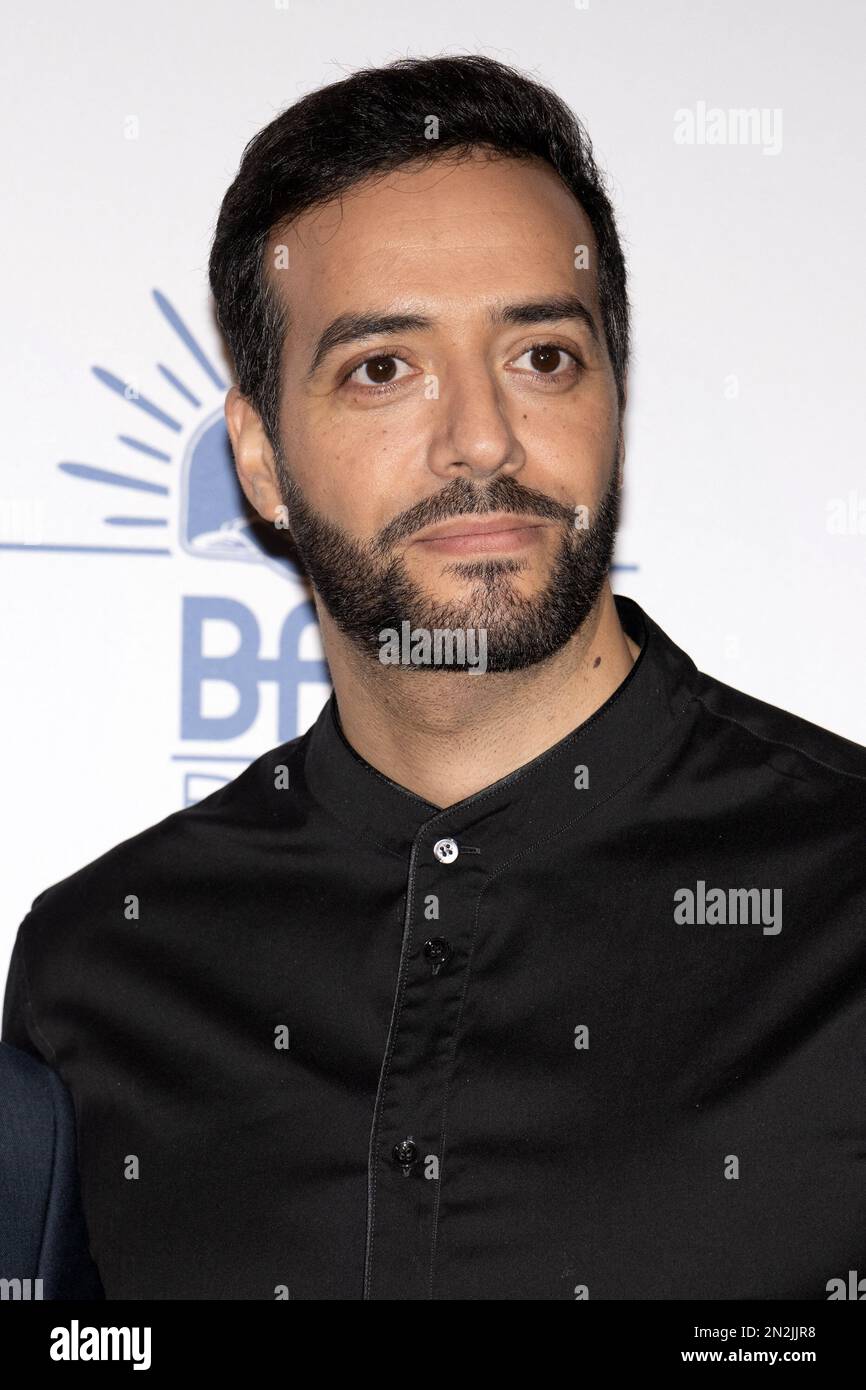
(404, 1152)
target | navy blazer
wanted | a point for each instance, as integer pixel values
(42, 1228)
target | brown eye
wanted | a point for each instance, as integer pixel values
(380, 371)
(550, 360)
(545, 359)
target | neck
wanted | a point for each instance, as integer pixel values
(447, 735)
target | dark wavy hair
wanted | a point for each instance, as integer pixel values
(371, 123)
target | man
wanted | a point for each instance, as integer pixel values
(534, 969)
(43, 1238)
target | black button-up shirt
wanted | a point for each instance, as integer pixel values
(598, 1030)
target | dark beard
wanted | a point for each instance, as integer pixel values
(366, 588)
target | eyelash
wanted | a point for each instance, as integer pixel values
(385, 388)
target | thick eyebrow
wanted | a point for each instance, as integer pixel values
(350, 328)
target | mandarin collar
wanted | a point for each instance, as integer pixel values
(537, 800)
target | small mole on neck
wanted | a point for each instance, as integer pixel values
(597, 662)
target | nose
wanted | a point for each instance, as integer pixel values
(472, 436)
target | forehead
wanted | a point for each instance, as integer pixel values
(458, 234)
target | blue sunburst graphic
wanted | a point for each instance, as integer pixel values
(203, 496)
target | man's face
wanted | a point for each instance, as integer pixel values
(478, 414)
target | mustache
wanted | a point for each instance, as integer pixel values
(461, 498)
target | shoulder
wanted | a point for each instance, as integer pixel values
(188, 844)
(756, 734)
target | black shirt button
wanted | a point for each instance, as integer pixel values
(405, 1153)
(438, 952)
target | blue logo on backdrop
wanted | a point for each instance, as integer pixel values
(214, 522)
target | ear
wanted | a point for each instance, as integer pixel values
(253, 455)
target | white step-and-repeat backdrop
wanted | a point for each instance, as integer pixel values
(150, 651)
